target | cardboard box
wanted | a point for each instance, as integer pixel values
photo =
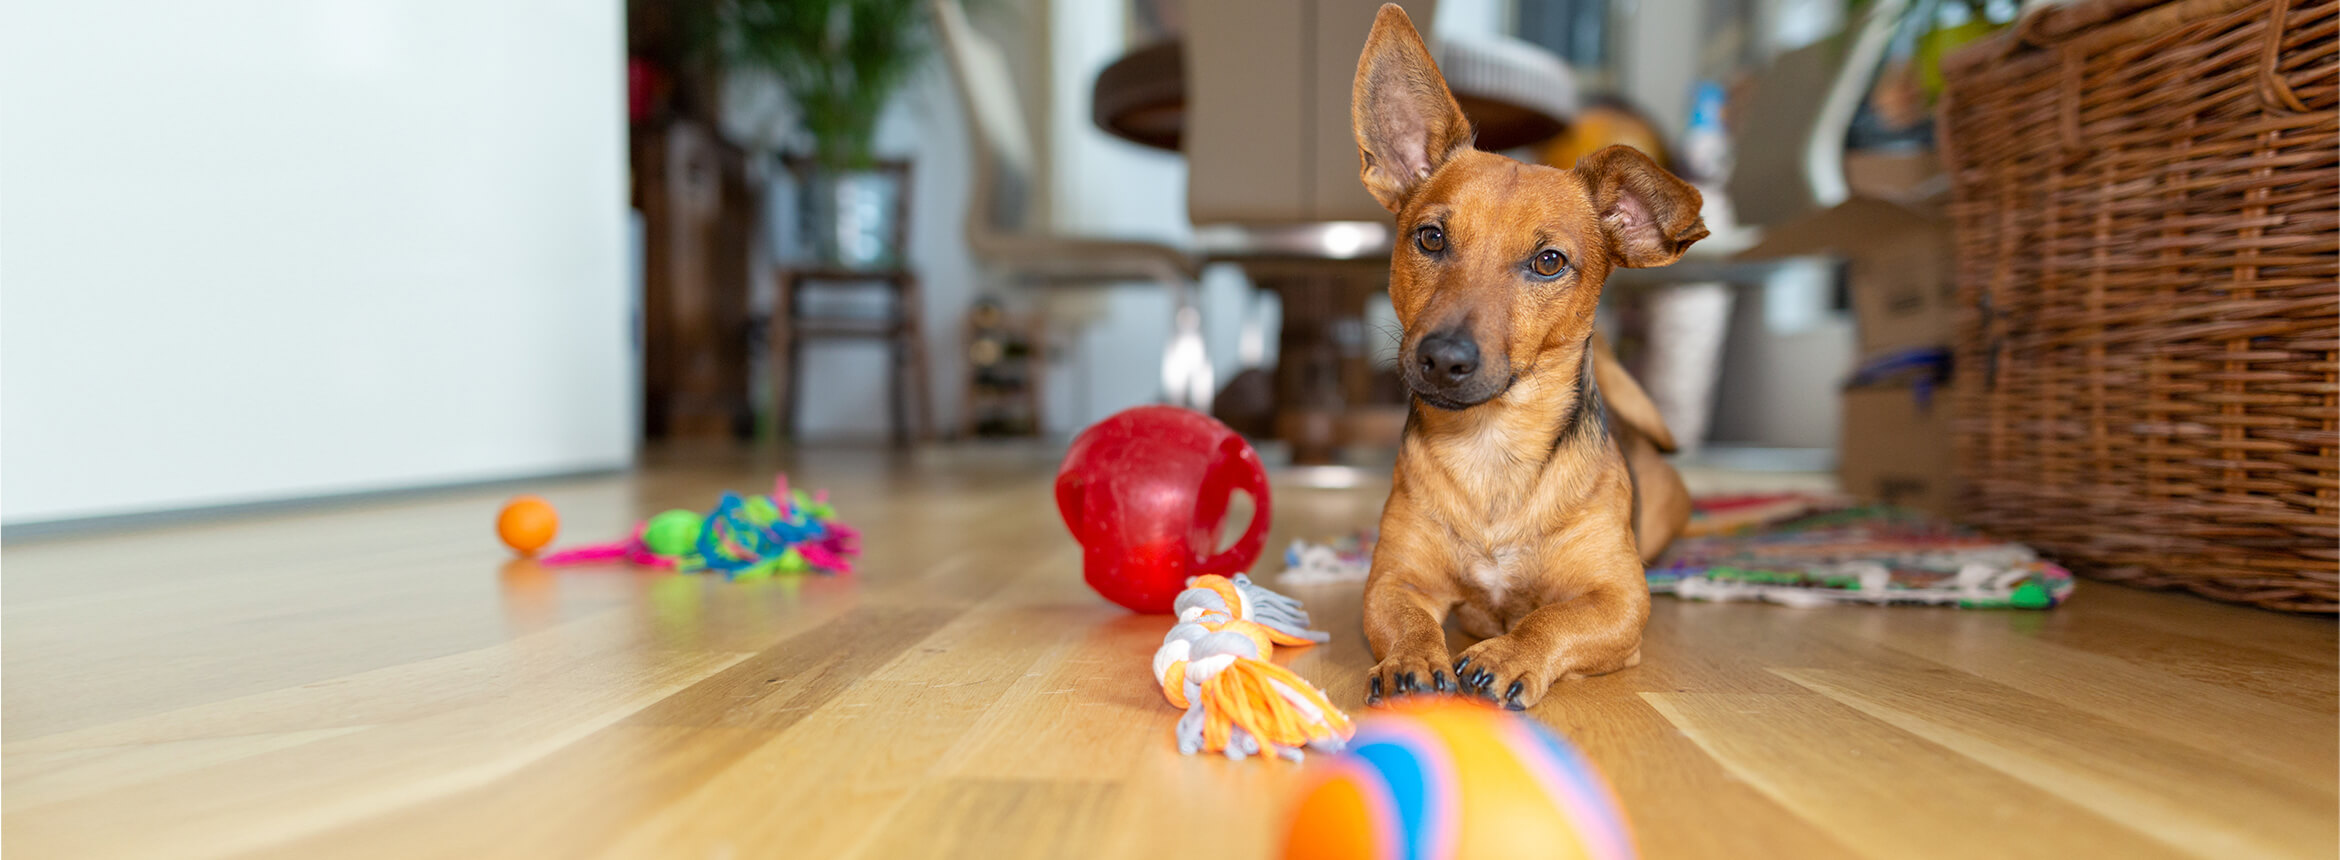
(1898, 267)
(1896, 447)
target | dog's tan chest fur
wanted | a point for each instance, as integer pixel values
(1495, 572)
(1483, 447)
(1505, 499)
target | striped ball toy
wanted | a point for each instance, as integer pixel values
(1452, 779)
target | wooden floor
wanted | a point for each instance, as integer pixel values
(379, 682)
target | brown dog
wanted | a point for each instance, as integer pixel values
(1521, 504)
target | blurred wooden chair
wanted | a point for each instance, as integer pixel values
(910, 401)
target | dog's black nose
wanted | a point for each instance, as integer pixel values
(1447, 359)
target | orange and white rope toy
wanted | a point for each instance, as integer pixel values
(1214, 663)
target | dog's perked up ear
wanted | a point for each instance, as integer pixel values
(1650, 216)
(1407, 123)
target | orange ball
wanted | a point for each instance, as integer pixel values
(1461, 780)
(527, 524)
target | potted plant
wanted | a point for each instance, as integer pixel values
(839, 62)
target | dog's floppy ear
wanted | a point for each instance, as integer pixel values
(1407, 122)
(1651, 217)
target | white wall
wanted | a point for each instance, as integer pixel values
(258, 249)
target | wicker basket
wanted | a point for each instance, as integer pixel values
(2147, 207)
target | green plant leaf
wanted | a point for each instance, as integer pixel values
(840, 61)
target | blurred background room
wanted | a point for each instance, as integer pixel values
(294, 293)
(1095, 205)
(908, 223)
(887, 222)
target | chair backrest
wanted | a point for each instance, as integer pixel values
(1004, 163)
(1267, 136)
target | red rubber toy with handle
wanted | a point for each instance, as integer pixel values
(1145, 492)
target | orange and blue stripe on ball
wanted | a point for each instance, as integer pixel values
(1456, 780)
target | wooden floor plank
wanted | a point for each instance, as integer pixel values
(601, 652)
(2239, 626)
(824, 786)
(777, 687)
(1000, 818)
(274, 796)
(847, 765)
(2301, 679)
(381, 680)
(36, 778)
(570, 803)
(2179, 710)
(2117, 772)
(1647, 758)
(565, 799)
(1073, 718)
(1882, 791)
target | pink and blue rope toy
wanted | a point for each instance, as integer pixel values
(747, 537)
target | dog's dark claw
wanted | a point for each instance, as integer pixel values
(1511, 697)
(1406, 684)
(1462, 668)
(1485, 680)
(1443, 685)
(1373, 696)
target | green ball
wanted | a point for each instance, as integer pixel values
(674, 532)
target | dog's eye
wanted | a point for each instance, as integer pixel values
(1430, 239)
(1549, 263)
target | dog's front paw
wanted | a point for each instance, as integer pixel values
(1408, 673)
(1505, 670)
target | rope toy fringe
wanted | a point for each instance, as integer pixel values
(1214, 664)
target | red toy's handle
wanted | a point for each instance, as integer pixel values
(1251, 477)
(1070, 499)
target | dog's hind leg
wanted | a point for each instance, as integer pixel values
(1661, 501)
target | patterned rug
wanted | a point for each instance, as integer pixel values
(1798, 549)
(1804, 550)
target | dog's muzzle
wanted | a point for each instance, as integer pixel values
(1446, 370)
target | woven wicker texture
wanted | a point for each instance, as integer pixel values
(2146, 200)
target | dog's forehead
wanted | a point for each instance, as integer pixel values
(1487, 195)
